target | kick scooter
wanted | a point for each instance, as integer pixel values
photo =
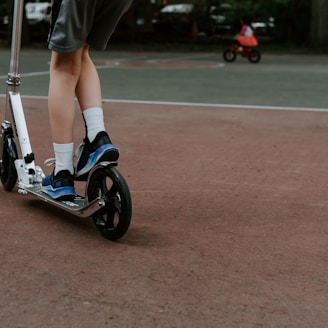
(106, 197)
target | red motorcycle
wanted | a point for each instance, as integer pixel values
(230, 55)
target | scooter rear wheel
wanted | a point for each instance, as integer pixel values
(114, 219)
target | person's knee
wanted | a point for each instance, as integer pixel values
(67, 62)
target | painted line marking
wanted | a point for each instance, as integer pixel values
(209, 105)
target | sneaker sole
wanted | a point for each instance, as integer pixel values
(64, 193)
(104, 155)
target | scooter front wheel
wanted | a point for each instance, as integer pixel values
(7, 167)
(229, 55)
(114, 219)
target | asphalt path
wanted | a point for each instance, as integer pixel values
(230, 206)
(279, 80)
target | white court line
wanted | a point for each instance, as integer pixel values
(187, 104)
(27, 74)
(46, 72)
(168, 103)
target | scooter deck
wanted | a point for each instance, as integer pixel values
(79, 206)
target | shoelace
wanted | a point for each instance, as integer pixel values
(50, 161)
(78, 150)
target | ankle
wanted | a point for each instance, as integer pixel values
(94, 121)
(64, 157)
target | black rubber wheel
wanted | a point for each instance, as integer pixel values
(114, 219)
(254, 56)
(229, 55)
(7, 169)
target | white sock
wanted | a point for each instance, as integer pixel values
(64, 157)
(94, 121)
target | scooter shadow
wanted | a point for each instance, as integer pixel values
(135, 236)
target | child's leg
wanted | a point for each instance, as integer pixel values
(65, 71)
(88, 92)
(64, 74)
(97, 144)
(88, 89)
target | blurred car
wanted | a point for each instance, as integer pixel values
(264, 27)
(223, 17)
(184, 19)
(38, 17)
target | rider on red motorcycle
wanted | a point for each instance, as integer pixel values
(246, 36)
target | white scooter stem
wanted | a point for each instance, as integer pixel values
(25, 166)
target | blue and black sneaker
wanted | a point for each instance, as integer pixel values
(91, 153)
(59, 186)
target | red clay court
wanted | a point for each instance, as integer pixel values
(229, 226)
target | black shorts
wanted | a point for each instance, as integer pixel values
(77, 22)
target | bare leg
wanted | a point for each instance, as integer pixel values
(88, 90)
(65, 70)
(64, 74)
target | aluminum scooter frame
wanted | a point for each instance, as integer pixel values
(29, 175)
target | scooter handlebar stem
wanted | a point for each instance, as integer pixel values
(16, 38)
